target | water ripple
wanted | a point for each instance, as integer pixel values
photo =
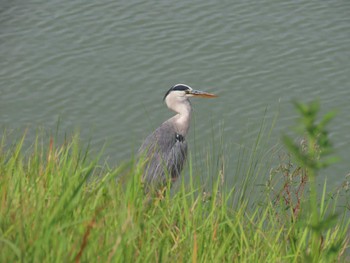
(105, 66)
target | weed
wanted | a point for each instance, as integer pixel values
(54, 209)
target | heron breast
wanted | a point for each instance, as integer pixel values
(179, 137)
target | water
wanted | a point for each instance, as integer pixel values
(103, 68)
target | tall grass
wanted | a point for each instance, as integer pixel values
(58, 205)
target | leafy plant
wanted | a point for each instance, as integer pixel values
(313, 154)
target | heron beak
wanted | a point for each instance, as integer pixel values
(198, 93)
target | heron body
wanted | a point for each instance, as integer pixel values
(165, 149)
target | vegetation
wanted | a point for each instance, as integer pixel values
(57, 205)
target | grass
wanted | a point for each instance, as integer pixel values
(59, 205)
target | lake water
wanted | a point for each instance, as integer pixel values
(103, 67)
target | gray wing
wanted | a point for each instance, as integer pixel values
(164, 156)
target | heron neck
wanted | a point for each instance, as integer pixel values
(182, 119)
(182, 123)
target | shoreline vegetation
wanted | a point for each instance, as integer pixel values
(59, 205)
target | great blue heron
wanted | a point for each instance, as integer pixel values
(164, 151)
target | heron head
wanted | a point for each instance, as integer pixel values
(183, 91)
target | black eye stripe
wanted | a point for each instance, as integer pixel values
(178, 87)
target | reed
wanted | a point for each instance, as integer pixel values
(59, 205)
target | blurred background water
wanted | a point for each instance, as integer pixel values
(102, 68)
